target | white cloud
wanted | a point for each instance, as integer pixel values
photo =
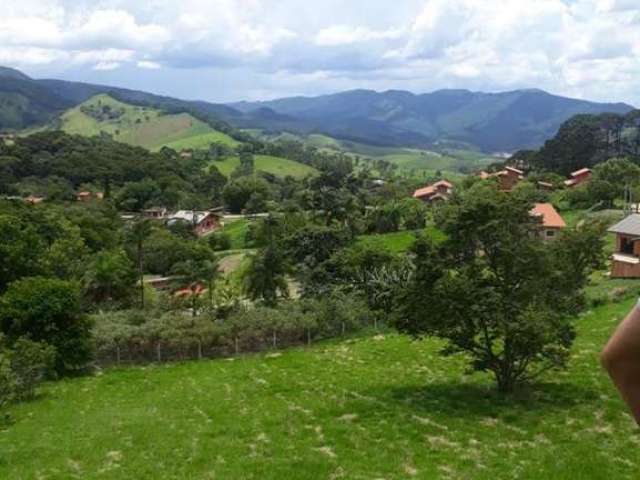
(148, 64)
(578, 47)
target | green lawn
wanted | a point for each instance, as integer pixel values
(366, 408)
(280, 167)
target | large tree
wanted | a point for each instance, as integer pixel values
(495, 290)
(48, 310)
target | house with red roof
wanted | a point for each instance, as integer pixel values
(551, 223)
(508, 178)
(438, 191)
(578, 177)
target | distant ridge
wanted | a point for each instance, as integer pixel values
(491, 122)
(504, 121)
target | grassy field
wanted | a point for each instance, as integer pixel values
(143, 126)
(237, 231)
(280, 167)
(397, 242)
(369, 407)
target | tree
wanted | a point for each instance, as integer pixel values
(495, 290)
(109, 276)
(237, 193)
(194, 273)
(48, 310)
(137, 234)
(265, 277)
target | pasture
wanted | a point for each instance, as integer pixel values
(372, 406)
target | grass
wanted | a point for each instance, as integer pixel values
(237, 231)
(397, 242)
(142, 126)
(369, 407)
(280, 167)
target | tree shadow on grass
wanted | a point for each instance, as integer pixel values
(473, 401)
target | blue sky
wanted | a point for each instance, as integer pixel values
(226, 50)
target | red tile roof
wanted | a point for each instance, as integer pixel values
(550, 217)
(582, 171)
(431, 189)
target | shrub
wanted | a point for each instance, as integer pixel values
(48, 310)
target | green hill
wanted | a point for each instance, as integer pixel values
(370, 407)
(278, 166)
(138, 125)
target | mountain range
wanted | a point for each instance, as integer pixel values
(491, 122)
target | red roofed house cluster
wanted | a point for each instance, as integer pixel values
(438, 191)
(551, 221)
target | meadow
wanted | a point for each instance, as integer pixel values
(141, 126)
(280, 167)
(373, 406)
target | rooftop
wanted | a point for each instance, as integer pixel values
(628, 226)
(550, 217)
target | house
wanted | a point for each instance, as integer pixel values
(86, 196)
(155, 213)
(578, 177)
(83, 196)
(545, 186)
(203, 222)
(626, 258)
(438, 191)
(508, 178)
(551, 221)
(33, 199)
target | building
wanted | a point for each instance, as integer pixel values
(545, 186)
(86, 196)
(83, 196)
(155, 213)
(625, 262)
(438, 191)
(203, 222)
(507, 178)
(33, 199)
(578, 177)
(551, 221)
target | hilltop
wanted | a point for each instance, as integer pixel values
(139, 125)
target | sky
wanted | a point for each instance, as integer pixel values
(229, 50)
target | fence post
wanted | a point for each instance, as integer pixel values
(159, 351)
(236, 344)
(118, 353)
(275, 340)
(308, 336)
(199, 350)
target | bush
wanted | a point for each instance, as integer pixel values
(22, 368)
(48, 310)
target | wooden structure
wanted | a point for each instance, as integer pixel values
(578, 178)
(550, 220)
(157, 213)
(625, 262)
(438, 191)
(507, 178)
(202, 222)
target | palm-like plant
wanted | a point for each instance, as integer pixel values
(137, 233)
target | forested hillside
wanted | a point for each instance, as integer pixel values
(587, 140)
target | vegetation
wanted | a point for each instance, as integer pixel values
(327, 409)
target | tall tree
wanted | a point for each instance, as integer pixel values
(137, 234)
